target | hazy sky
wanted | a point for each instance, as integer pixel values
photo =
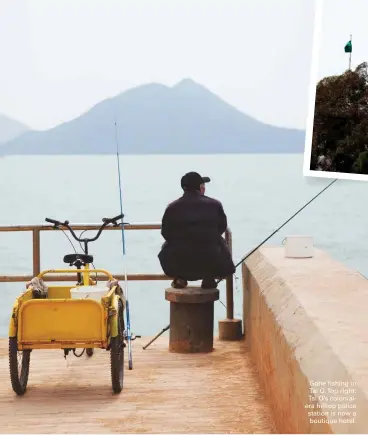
(60, 57)
(340, 19)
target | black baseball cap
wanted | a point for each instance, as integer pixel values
(192, 180)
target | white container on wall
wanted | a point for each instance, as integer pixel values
(298, 246)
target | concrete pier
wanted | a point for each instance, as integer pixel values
(306, 325)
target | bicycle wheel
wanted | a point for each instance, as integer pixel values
(117, 353)
(19, 366)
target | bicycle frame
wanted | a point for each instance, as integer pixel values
(59, 321)
(86, 271)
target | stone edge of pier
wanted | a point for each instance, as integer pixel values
(306, 320)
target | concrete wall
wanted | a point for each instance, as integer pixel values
(306, 321)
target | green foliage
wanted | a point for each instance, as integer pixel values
(341, 120)
(362, 163)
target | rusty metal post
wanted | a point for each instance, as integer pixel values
(229, 297)
(191, 319)
(230, 328)
(36, 252)
(229, 281)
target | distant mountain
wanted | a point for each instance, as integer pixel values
(10, 129)
(156, 119)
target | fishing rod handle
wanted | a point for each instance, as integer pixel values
(155, 338)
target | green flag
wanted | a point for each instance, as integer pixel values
(348, 47)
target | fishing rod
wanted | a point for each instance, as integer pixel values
(128, 330)
(156, 337)
(279, 228)
(255, 249)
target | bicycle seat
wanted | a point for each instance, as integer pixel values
(71, 258)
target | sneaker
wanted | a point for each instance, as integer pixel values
(179, 283)
(208, 284)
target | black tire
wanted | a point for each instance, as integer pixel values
(19, 366)
(117, 353)
(89, 352)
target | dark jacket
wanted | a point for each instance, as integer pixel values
(195, 249)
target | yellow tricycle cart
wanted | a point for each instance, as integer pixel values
(85, 316)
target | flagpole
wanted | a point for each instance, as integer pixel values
(351, 41)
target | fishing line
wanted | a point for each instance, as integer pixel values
(128, 331)
(281, 226)
(255, 249)
(120, 189)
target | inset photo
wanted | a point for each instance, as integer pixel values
(337, 131)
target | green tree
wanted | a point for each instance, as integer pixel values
(361, 165)
(341, 119)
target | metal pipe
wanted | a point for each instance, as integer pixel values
(36, 252)
(229, 280)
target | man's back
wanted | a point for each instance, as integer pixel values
(194, 218)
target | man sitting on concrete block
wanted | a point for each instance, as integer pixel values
(192, 227)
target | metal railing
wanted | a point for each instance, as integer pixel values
(36, 233)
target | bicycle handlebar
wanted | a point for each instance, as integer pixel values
(113, 220)
(53, 221)
(106, 221)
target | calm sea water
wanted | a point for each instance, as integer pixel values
(259, 192)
